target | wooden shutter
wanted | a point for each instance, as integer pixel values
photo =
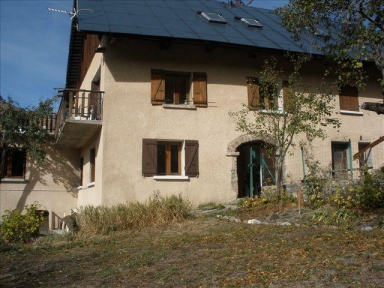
(157, 87)
(200, 89)
(288, 98)
(349, 98)
(192, 158)
(149, 161)
(253, 91)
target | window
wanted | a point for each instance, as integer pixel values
(340, 160)
(269, 96)
(166, 158)
(169, 87)
(213, 17)
(177, 88)
(92, 163)
(15, 163)
(365, 159)
(81, 171)
(251, 22)
(349, 99)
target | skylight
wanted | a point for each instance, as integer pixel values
(213, 17)
(250, 22)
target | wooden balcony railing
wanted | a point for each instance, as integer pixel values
(79, 104)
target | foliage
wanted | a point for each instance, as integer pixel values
(307, 111)
(237, 3)
(365, 194)
(348, 31)
(328, 215)
(210, 206)
(21, 129)
(18, 227)
(157, 210)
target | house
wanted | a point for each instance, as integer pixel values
(149, 88)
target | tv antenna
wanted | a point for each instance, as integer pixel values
(73, 14)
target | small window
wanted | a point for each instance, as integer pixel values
(250, 22)
(81, 171)
(340, 160)
(168, 158)
(15, 163)
(92, 163)
(213, 17)
(349, 98)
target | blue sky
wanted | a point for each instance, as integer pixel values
(34, 47)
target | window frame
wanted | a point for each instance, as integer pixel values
(258, 101)
(8, 172)
(196, 89)
(340, 174)
(168, 157)
(349, 99)
(188, 161)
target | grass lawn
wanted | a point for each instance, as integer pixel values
(202, 252)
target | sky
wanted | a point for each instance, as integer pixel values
(34, 46)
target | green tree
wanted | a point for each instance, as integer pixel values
(350, 31)
(21, 128)
(305, 111)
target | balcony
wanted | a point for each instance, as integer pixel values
(79, 117)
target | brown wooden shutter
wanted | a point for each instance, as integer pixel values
(200, 89)
(288, 98)
(253, 92)
(149, 161)
(349, 98)
(191, 158)
(157, 87)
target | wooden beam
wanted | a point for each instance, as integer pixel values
(373, 144)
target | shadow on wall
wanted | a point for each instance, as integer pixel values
(59, 172)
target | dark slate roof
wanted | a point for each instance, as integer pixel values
(179, 19)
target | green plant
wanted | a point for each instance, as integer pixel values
(18, 227)
(329, 215)
(370, 192)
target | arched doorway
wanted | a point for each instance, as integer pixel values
(254, 169)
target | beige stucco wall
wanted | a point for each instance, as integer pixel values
(129, 117)
(52, 185)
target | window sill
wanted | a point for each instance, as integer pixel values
(347, 112)
(92, 184)
(14, 180)
(179, 106)
(171, 177)
(279, 112)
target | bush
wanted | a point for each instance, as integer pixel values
(370, 192)
(157, 210)
(18, 227)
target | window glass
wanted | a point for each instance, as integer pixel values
(161, 158)
(174, 158)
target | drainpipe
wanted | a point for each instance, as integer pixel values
(303, 163)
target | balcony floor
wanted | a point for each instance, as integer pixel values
(76, 133)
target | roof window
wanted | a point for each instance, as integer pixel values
(213, 17)
(250, 22)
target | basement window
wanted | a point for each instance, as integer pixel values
(250, 22)
(213, 17)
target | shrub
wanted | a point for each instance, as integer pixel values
(370, 192)
(157, 210)
(18, 227)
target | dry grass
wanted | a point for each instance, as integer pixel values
(202, 252)
(133, 216)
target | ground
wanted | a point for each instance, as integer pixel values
(205, 251)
